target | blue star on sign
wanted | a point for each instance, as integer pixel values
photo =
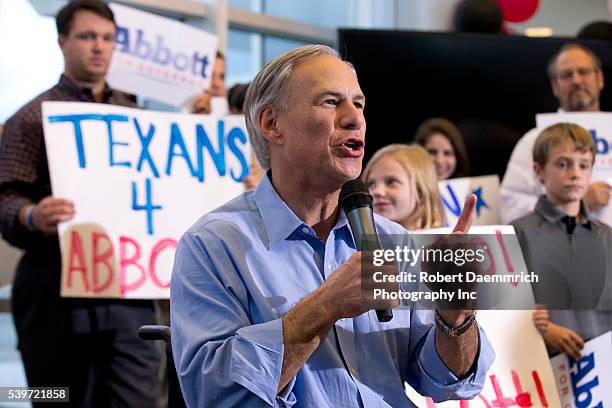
(480, 202)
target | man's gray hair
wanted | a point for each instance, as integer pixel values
(270, 89)
(552, 64)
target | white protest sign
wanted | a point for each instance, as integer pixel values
(599, 124)
(160, 58)
(521, 375)
(486, 188)
(588, 382)
(504, 257)
(138, 179)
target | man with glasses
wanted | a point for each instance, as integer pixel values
(576, 79)
(88, 345)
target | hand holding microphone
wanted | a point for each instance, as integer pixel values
(356, 202)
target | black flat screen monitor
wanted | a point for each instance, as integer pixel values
(491, 86)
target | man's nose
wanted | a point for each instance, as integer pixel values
(576, 77)
(351, 117)
(98, 43)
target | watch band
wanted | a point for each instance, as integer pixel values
(29, 221)
(454, 331)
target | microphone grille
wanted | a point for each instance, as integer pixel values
(354, 194)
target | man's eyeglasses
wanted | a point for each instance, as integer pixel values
(568, 74)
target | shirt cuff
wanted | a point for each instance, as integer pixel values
(257, 360)
(12, 230)
(440, 383)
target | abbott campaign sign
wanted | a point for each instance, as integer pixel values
(599, 124)
(486, 189)
(521, 375)
(138, 179)
(586, 383)
(160, 58)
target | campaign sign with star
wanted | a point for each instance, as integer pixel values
(160, 58)
(486, 188)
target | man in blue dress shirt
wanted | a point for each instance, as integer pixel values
(265, 297)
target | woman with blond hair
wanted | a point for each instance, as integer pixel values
(402, 179)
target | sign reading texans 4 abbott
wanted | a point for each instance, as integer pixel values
(486, 189)
(160, 58)
(138, 180)
(599, 124)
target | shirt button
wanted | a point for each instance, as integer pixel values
(305, 230)
(331, 266)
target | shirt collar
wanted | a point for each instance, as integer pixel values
(554, 215)
(279, 220)
(83, 93)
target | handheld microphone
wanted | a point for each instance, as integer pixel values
(356, 201)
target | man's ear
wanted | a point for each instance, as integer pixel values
(539, 171)
(555, 87)
(61, 39)
(600, 79)
(268, 123)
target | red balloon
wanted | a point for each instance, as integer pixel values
(516, 11)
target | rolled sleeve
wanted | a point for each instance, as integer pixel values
(257, 360)
(438, 382)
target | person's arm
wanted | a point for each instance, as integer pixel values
(308, 322)
(564, 340)
(25, 218)
(305, 327)
(21, 149)
(431, 350)
(202, 104)
(221, 356)
(442, 366)
(597, 195)
(540, 318)
(46, 214)
(520, 187)
(458, 353)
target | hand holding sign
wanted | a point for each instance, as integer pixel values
(564, 340)
(597, 195)
(541, 319)
(202, 104)
(49, 212)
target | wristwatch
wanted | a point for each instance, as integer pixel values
(454, 331)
